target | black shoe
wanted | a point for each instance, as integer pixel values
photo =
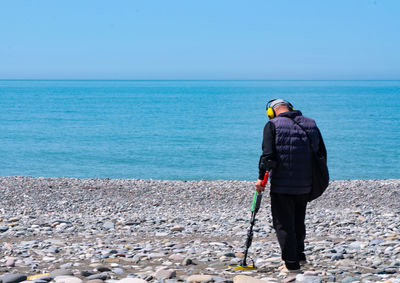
(302, 258)
(292, 266)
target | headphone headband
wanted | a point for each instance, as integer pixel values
(278, 101)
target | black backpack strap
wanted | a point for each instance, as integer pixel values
(308, 136)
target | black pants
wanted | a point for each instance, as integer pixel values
(288, 213)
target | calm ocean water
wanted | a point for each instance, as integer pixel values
(189, 129)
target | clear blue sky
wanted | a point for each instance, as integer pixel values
(204, 39)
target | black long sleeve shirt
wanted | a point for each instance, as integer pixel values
(268, 149)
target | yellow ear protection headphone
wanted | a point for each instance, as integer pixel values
(275, 102)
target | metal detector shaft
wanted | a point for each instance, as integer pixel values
(254, 209)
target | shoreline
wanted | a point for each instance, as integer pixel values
(175, 180)
(170, 230)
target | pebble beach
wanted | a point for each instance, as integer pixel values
(69, 230)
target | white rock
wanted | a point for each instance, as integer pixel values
(68, 279)
(131, 280)
(246, 279)
(200, 278)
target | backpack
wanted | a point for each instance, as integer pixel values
(320, 172)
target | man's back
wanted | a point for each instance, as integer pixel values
(293, 174)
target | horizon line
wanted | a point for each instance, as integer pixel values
(1, 79)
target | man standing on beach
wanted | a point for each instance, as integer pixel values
(287, 154)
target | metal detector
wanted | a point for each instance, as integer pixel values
(254, 209)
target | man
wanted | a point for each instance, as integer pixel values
(287, 154)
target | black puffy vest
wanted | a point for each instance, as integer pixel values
(293, 174)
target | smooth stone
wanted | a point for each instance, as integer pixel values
(155, 255)
(136, 259)
(165, 274)
(131, 280)
(48, 259)
(311, 273)
(177, 229)
(308, 278)
(161, 234)
(357, 245)
(350, 279)
(95, 281)
(67, 279)
(101, 276)
(12, 278)
(200, 278)
(246, 279)
(53, 250)
(176, 257)
(61, 272)
(55, 241)
(274, 259)
(3, 229)
(108, 225)
(377, 262)
(118, 270)
(66, 265)
(10, 262)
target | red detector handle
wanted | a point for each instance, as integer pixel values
(264, 182)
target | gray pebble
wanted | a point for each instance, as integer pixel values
(101, 276)
(13, 278)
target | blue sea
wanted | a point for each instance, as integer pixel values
(188, 130)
